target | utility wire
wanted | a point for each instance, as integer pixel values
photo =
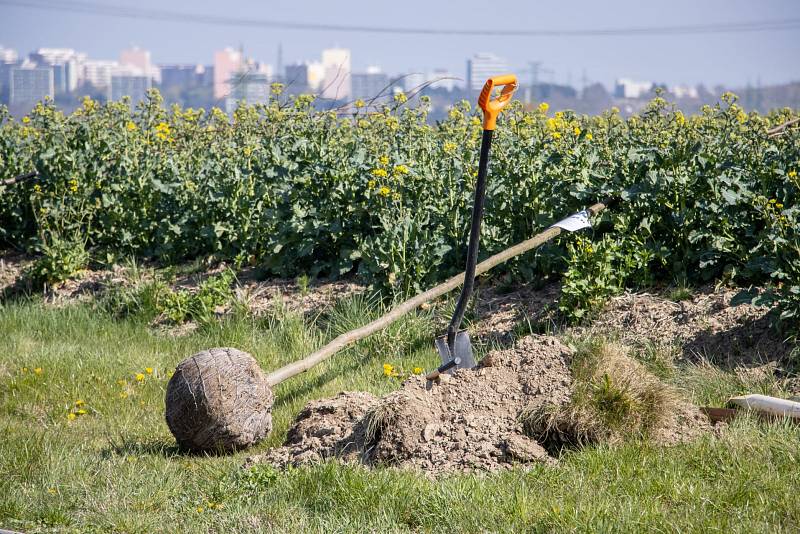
(120, 11)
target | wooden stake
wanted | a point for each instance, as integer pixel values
(348, 338)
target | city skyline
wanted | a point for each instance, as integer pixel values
(728, 59)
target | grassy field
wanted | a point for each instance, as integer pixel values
(116, 468)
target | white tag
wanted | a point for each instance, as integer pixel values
(575, 222)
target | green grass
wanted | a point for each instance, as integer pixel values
(117, 468)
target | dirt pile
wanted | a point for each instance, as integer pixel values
(467, 421)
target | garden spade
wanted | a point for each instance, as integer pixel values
(455, 348)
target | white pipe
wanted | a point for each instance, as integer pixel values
(770, 405)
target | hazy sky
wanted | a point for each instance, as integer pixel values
(730, 59)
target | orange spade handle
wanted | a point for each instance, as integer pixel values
(492, 108)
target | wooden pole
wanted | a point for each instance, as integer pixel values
(348, 338)
(20, 178)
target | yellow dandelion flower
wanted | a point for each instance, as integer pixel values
(384, 191)
(388, 369)
(380, 173)
(51, 491)
(121, 382)
(199, 509)
(139, 377)
(543, 107)
(247, 151)
(148, 370)
(71, 416)
(38, 370)
(79, 402)
(80, 412)
(123, 395)
(417, 370)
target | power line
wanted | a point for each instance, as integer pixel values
(119, 11)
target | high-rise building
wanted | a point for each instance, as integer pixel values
(625, 88)
(182, 76)
(250, 87)
(370, 84)
(131, 84)
(29, 84)
(65, 63)
(227, 62)
(140, 59)
(483, 66)
(337, 82)
(8, 55)
(413, 81)
(8, 60)
(304, 77)
(97, 72)
(442, 79)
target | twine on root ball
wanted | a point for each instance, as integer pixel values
(219, 400)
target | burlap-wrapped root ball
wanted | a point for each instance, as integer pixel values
(219, 400)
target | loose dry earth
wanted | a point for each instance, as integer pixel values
(467, 421)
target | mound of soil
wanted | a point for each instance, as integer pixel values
(467, 421)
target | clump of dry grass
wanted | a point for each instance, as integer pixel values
(614, 397)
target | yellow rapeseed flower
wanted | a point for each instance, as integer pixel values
(576, 130)
(37, 188)
(131, 126)
(359, 103)
(371, 184)
(556, 135)
(401, 169)
(543, 107)
(475, 121)
(400, 97)
(449, 147)
(26, 120)
(384, 191)
(380, 173)
(589, 136)
(73, 185)
(396, 196)
(792, 173)
(383, 160)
